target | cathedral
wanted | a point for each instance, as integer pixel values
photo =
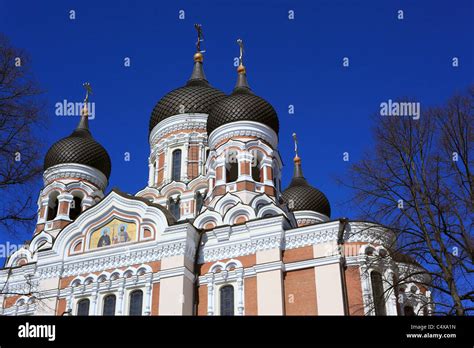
(211, 233)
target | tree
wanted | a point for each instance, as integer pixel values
(419, 181)
(21, 112)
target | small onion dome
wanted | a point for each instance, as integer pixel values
(197, 96)
(242, 105)
(300, 195)
(79, 148)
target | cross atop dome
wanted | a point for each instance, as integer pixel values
(84, 121)
(242, 85)
(198, 57)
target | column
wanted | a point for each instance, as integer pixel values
(148, 295)
(44, 209)
(240, 291)
(151, 174)
(329, 279)
(95, 309)
(184, 162)
(201, 159)
(64, 201)
(269, 277)
(391, 299)
(120, 298)
(176, 286)
(87, 203)
(210, 294)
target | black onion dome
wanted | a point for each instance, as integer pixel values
(300, 195)
(80, 148)
(197, 96)
(242, 105)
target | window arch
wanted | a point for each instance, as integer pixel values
(136, 302)
(83, 307)
(173, 207)
(256, 166)
(378, 293)
(176, 165)
(232, 166)
(109, 305)
(226, 300)
(154, 175)
(199, 201)
(53, 205)
(76, 207)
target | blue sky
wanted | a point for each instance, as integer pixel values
(297, 62)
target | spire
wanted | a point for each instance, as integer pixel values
(198, 77)
(242, 85)
(298, 171)
(84, 121)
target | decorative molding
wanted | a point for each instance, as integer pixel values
(191, 121)
(243, 128)
(75, 171)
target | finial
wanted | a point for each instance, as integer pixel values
(297, 158)
(84, 122)
(241, 68)
(298, 172)
(198, 77)
(242, 85)
(198, 57)
(88, 88)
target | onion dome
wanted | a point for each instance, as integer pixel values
(300, 195)
(79, 148)
(242, 105)
(197, 96)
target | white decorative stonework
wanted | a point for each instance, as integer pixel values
(75, 171)
(222, 274)
(243, 128)
(176, 123)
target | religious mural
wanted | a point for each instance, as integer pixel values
(114, 232)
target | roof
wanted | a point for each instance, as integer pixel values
(197, 96)
(81, 148)
(242, 105)
(300, 195)
(169, 217)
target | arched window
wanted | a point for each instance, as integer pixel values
(176, 168)
(409, 312)
(232, 172)
(136, 302)
(83, 307)
(199, 201)
(174, 207)
(256, 164)
(227, 300)
(231, 166)
(53, 205)
(378, 293)
(109, 305)
(76, 208)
